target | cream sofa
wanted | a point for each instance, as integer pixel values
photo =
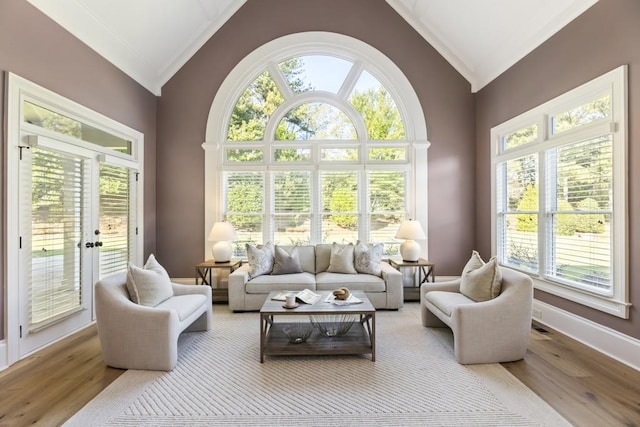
(246, 294)
(135, 336)
(484, 332)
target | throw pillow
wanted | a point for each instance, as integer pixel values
(368, 258)
(153, 265)
(483, 283)
(341, 260)
(474, 262)
(285, 263)
(260, 259)
(148, 287)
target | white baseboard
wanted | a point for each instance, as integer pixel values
(618, 346)
(3, 355)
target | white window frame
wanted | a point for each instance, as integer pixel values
(321, 43)
(615, 84)
(19, 90)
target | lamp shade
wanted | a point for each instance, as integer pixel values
(222, 233)
(410, 230)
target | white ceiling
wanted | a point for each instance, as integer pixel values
(154, 38)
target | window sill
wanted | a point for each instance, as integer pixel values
(608, 305)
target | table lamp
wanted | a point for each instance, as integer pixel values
(222, 233)
(410, 231)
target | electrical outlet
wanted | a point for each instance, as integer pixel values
(537, 313)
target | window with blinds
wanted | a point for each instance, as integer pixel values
(292, 207)
(386, 200)
(114, 239)
(560, 194)
(57, 204)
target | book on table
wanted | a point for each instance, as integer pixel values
(306, 296)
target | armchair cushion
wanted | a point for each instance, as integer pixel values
(481, 282)
(148, 286)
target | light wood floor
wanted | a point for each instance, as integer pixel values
(584, 386)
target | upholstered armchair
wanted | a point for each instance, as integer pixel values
(490, 331)
(135, 336)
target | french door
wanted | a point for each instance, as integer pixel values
(77, 225)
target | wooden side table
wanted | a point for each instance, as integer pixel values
(204, 276)
(425, 270)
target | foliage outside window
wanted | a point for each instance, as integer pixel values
(315, 154)
(560, 195)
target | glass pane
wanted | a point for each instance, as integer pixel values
(292, 154)
(597, 109)
(315, 121)
(379, 111)
(253, 109)
(244, 201)
(244, 155)
(387, 204)
(48, 119)
(520, 246)
(520, 184)
(520, 137)
(339, 200)
(315, 72)
(115, 210)
(339, 154)
(388, 153)
(292, 206)
(58, 203)
(292, 229)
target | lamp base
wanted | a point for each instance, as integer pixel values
(222, 251)
(410, 250)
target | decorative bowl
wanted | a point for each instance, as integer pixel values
(333, 325)
(298, 332)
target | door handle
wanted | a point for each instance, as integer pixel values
(98, 244)
(89, 244)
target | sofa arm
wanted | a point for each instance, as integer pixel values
(393, 283)
(237, 281)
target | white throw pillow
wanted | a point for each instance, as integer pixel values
(149, 286)
(260, 259)
(341, 260)
(368, 258)
(481, 282)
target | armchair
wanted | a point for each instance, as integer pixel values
(138, 337)
(484, 332)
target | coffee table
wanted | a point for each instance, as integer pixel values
(360, 339)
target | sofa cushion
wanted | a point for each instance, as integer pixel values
(260, 259)
(327, 281)
(288, 282)
(306, 255)
(341, 260)
(367, 258)
(286, 262)
(445, 301)
(184, 305)
(483, 283)
(148, 287)
(323, 256)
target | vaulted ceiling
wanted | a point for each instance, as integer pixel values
(154, 38)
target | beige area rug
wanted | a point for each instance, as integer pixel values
(415, 380)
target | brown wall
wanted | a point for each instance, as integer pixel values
(186, 99)
(36, 48)
(603, 38)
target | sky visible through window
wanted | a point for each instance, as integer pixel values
(328, 73)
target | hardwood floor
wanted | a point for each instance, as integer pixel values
(587, 388)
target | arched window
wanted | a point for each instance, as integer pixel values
(316, 146)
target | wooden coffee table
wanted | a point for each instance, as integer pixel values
(360, 339)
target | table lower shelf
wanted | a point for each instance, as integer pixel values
(355, 341)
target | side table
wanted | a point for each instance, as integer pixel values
(425, 270)
(204, 276)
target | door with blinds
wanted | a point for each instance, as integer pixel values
(75, 228)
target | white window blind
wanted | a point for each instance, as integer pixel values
(386, 194)
(114, 239)
(57, 202)
(292, 207)
(245, 207)
(340, 206)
